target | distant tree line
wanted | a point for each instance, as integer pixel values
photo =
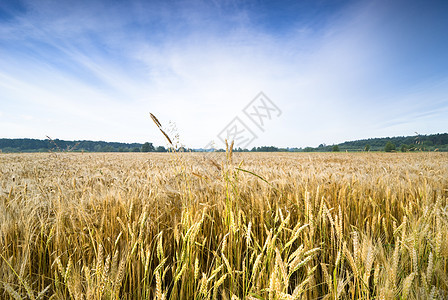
(35, 145)
(434, 142)
(402, 143)
(268, 149)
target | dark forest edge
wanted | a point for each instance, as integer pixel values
(433, 142)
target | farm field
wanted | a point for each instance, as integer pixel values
(224, 226)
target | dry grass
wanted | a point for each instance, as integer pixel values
(183, 226)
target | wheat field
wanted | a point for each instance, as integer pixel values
(223, 226)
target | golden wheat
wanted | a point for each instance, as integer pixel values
(195, 226)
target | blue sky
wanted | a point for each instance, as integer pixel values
(337, 70)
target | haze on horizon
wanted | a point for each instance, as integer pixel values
(337, 70)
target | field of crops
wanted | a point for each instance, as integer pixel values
(213, 226)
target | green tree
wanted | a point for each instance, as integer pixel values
(147, 147)
(335, 148)
(367, 147)
(389, 147)
(108, 148)
(404, 148)
(160, 149)
(136, 149)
